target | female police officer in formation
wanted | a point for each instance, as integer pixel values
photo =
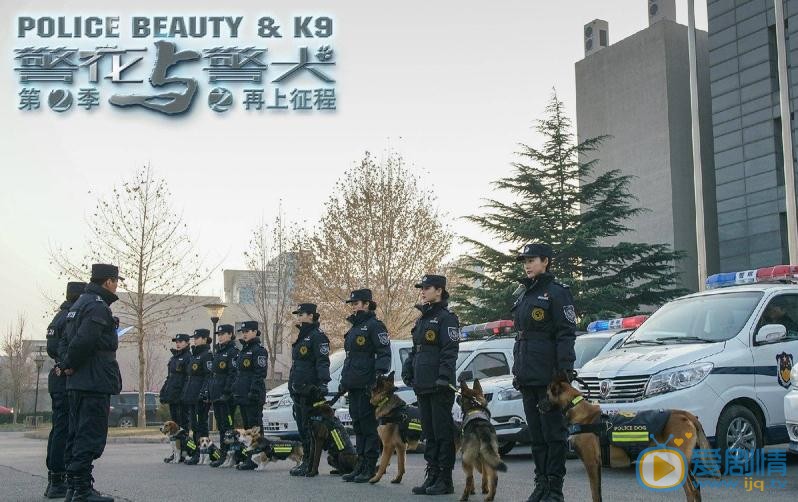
(195, 393)
(546, 322)
(172, 389)
(430, 369)
(220, 388)
(310, 356)
(368, 353)
(249, 389)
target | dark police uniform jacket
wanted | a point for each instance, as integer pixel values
(92, 343)
(55, 332)
(436, 340)
(221, 381)
(199, 371)
(545, 318)
(368, 351)
(310, 354)
(251, 367)
(177, 372)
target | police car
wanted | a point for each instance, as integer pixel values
(278, 415)
(724, 354)
(791, 410)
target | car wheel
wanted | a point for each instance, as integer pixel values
(126, 422)
(738, 429)
(506, 447)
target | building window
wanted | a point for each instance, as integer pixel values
(785, 247)
(779, 151)
(603, 38)
(246, 295)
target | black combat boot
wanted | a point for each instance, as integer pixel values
(541, 489)
(70, 486)
(303, 468)
(193, 460)
(84, 492)
(430, 475)
(443, 483)
(369, 469)
(49, 482)
(57, 488)
(555, 490)
(356, 471)
(169, 459)
(247, 465)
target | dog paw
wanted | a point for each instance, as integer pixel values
(374, 480)
(463, 498)
(396, 481)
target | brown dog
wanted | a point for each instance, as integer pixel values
(328, 433)
(400, 426)
(480, 446)
(681, 425)
(262, 451)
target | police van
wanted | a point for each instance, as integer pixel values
(724, 354)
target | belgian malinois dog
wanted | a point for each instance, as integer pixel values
(682, 426)
(324, 424)
(393, 413)
(479, 444)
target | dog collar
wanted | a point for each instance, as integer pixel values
(573, 402)
(319, 403)
(382, 402)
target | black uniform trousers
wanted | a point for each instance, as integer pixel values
(56, 441)
(88, 429)
(439, 430)
(178, 412)
(364, 424)
(198, 415)
(548, 431)
(252, 414)
(301, 411)
(224, 412)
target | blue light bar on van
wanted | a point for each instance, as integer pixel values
(779, 273)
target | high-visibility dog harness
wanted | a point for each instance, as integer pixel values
(409, 420)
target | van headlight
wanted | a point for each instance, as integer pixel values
(285, 401)
(677, 378)
(508, 394)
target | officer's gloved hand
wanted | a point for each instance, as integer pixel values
(567, 375)
(516, 386)
(323, 389)
(342, 389)
(252, 396)
(226, 396)
(442, 384)
(407, 381)
(544, 405)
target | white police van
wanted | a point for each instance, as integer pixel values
(723, 354)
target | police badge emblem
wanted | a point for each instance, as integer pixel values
(454, 334)
(194, 367)
(384, 339)
(360, 340)
(785, 363)
(262, 361)
(324, 348)
(246, 363)
(303, 350)
(538, 314)
(222, 365)
(570, 313)
(429, 335)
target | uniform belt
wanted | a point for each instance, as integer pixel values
(109, 355)
(532, 335)
(427, 348)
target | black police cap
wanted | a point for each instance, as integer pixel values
(202, 333)
(305, 308)
(533, 250)
(437, 281)
(104, 271)
(74, 289)
(248, 326)
(359, 295)
(225, 328)
(182, 337)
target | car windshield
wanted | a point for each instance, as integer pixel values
(588, 347)
(462, 356)
(337, 360)
(699, 319)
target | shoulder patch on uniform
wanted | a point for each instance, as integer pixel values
(384, 339)
(209, 364)
(50, 332)
(324, 348)
(570, 313)
(98, 298)
(454, 334)
(262, 361)
(72, 314)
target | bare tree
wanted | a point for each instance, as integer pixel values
(18, 372)
(272, 267)
(380, 230)
(137, 229)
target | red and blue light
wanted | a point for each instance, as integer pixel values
(779, 273)
(631, 322)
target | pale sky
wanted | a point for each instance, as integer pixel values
(451, 85)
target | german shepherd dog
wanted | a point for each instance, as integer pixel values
(262, 450)
(681, 425)
(388, 405)
(479, 444)
(324, 425)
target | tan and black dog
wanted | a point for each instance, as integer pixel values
(182, 445)
(681, 426)
(480, 447)
(328, 433)
(262, 450)
(400, 426)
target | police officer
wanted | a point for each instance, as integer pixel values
(368, 353)
(545, 318)
(310, 356)
(172, 389)
(220, 389)
(94, 375)
(249, 390)
(430, 370)
(195, 393)
(56, 386)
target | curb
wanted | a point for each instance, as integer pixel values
(111, 439)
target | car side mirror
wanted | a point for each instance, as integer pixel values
(770, 333)
(466, 376)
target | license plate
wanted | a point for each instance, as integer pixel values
(344, 416)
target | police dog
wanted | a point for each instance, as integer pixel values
(234, 447)
(178, 437)
(387, 405)
(682, 427)
(262, 450)
(480, 447)
(324, 423)
(208, 451)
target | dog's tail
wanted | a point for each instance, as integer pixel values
(703, 444)
(491, 456)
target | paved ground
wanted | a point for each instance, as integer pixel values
(135, 472)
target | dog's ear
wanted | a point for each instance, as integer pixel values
(477, 386)
(390, 376)
(463, 386)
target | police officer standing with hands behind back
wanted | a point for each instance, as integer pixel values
(249, 389)
(430, 370)
(220, 388)
(195, 393)
(310, 356)
(545, 318)
(368, 352)
(172, 389)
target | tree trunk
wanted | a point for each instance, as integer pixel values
(142, 417)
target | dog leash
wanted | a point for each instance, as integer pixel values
(335, 399)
